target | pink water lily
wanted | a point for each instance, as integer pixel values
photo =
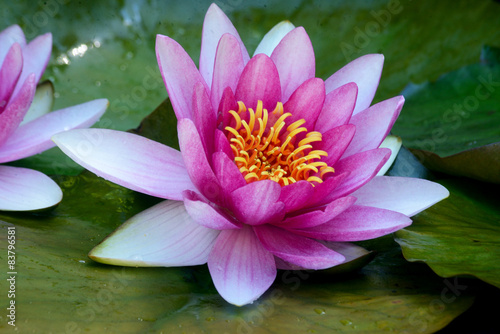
(276, 170)
(26, 128)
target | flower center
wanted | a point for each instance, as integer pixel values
(273, 152)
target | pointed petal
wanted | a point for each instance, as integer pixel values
(35, 136)
(258, 203)
(215, 25)
(394, 144)
(179, 74)
(273, 38)
(242, 270)
(129, 160)
(259, 81)
(227, 172)
(373, 125)
(294, 195)
(23, 189)
(296, 249)
(362, 168)
(358, 223)
(161, 236)
(12, 116)
(335, 141)
(338, 107)
(36, 56)
(294, 59)
(320, 216)
(204, 117)
(406, 195)
(306, 103)
(196, 162)
(365, 71)
(9, 74)
(8, 37)
(207, 215)
(42, 102)
(228, 67)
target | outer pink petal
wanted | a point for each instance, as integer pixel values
(295, 195)
(408, 196)
(129, 160)
(204, 117)
(365, 71)
(23, 189)
(8, 37)
(296, 249)
(320, 216)
(294, 59)
(338, 107)
(161, 236)
(228, 67)
(36, 56)
(207, 215)
(259, 81)
(358, 223)
(241, 268)
(374, 124)
(362, 168)
(335, 141)
(35, 137)
(179, 74)
(9, 74)
(12, 116)
(197, 165)
(306, 103)
(258, 203)
(215, 25)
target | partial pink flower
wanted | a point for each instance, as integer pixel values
(276, 169)
(26, 127)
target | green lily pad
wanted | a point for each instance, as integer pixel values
(450, 123)
(59, 289)
(460, 235)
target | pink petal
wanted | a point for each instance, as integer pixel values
(365, 71)
(35, 137)
(408, 196)
(319, 216)
(8, 37)
(358, 223)
(296, 249)
(222, 144)
(197, 165)
(258, 203)
(259, 81)
(12, 116)
(273, 37)
(161, 236)
(215, 25)
(294, 195)
(204, 117)
(36, 56)
(335, 141)
(306, 103)
(9, 74)
(294, 59)
(129, 160)
(207, 215)
(228, 102)
(373, 125)
(24, 189)
(179, 74)
(241, 269)
(228, 67)
(227, 172)
(338, 107)
(324, 192)
(362, 167)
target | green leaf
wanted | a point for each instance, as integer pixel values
(59, 289)
(450, 123)
(460, 235)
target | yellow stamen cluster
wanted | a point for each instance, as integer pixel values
(260, 153)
